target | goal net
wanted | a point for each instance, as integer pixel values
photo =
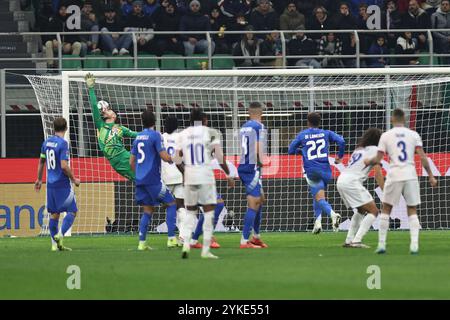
(350, 102)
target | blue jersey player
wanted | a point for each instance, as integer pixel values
(60, 196)
(314, 144)
(146, 155)
(252, 139)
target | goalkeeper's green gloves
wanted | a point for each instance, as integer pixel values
(90, 80)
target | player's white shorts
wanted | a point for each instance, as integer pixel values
(409, 189)
(177, 190)
(352, 192)
(200, 194)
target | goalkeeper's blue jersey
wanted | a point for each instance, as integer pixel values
(146, 148)
(53, 150)
(314, 145)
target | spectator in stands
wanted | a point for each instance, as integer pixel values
(351, 50)
(330, 46)
(218, 23)
(101, 5)
(291, 18)
(239, 24)
(195, 21)
(182, 6)
(114, 43)
(302, 45)
(137, 21)
(168, 20)
(232, 8)
(403, 5)
(355, 5)
(365, 39)
(127, 7)
(150, 7)
(248, 46)
(391, 19)
(271, 46)
(430, 6)
(441, 20)
(416, 18)
(378, 47)
(319, 22)
(89, 23)
(264, 17)
(406, 45)
(70, 43)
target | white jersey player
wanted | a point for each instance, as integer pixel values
(352, 191)
(195, 147)
(400, 144)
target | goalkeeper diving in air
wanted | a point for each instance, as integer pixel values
(110, 134)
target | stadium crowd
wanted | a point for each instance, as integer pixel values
(247, 16)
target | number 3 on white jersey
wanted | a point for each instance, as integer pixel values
(316, 145)
(141, 157)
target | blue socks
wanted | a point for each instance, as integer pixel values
(67, 222)
(325, 206)
(258, 219)
(198, 230)
(53, 227)
(143, 225)
(249, 221)
(317, 209)
(171, 220)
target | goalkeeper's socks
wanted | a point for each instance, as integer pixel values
(317, 209)
(325, 206)
(53, 227)
(249, 220)
(208, 228)
(354, 226)
(383, 229)
(67, 222)
(364, 227)
(143, 225)
(414, 227)
(171, 220)
(218, 211)
(199, 229)
(258, 219)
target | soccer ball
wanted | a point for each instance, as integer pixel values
(103, 105)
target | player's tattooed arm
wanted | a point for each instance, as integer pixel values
(133, 162)
(68, 172)
(165, 156)
(38, 183)
(426, 165)
(379, 176)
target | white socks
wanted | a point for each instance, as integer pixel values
(354, 225)
(414, 226)
(188, 227)
(181, 216)
(208, 228)
(365, 226)
(383, 229)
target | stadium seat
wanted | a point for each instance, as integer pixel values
(95, 63)
(150, 61)
(71, 64)
(196, 64)
(223, 62)
(172, 64)
(125, 63)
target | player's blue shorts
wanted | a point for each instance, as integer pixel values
(61, 200)
(317, 179)
(252, 182)
(153, 195)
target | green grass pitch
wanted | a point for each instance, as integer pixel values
(296, 266)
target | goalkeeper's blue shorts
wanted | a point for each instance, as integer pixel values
(61, 200)
(153, 195)
(317, 179)
(252, 182)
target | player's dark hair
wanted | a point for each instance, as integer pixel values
(197, 115)
(398, 114)
(314, 119)
(370, 137)
(148, 119)
(254, 106)
(171, 124)
(60, 124)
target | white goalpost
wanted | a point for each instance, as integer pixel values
(349, 100)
